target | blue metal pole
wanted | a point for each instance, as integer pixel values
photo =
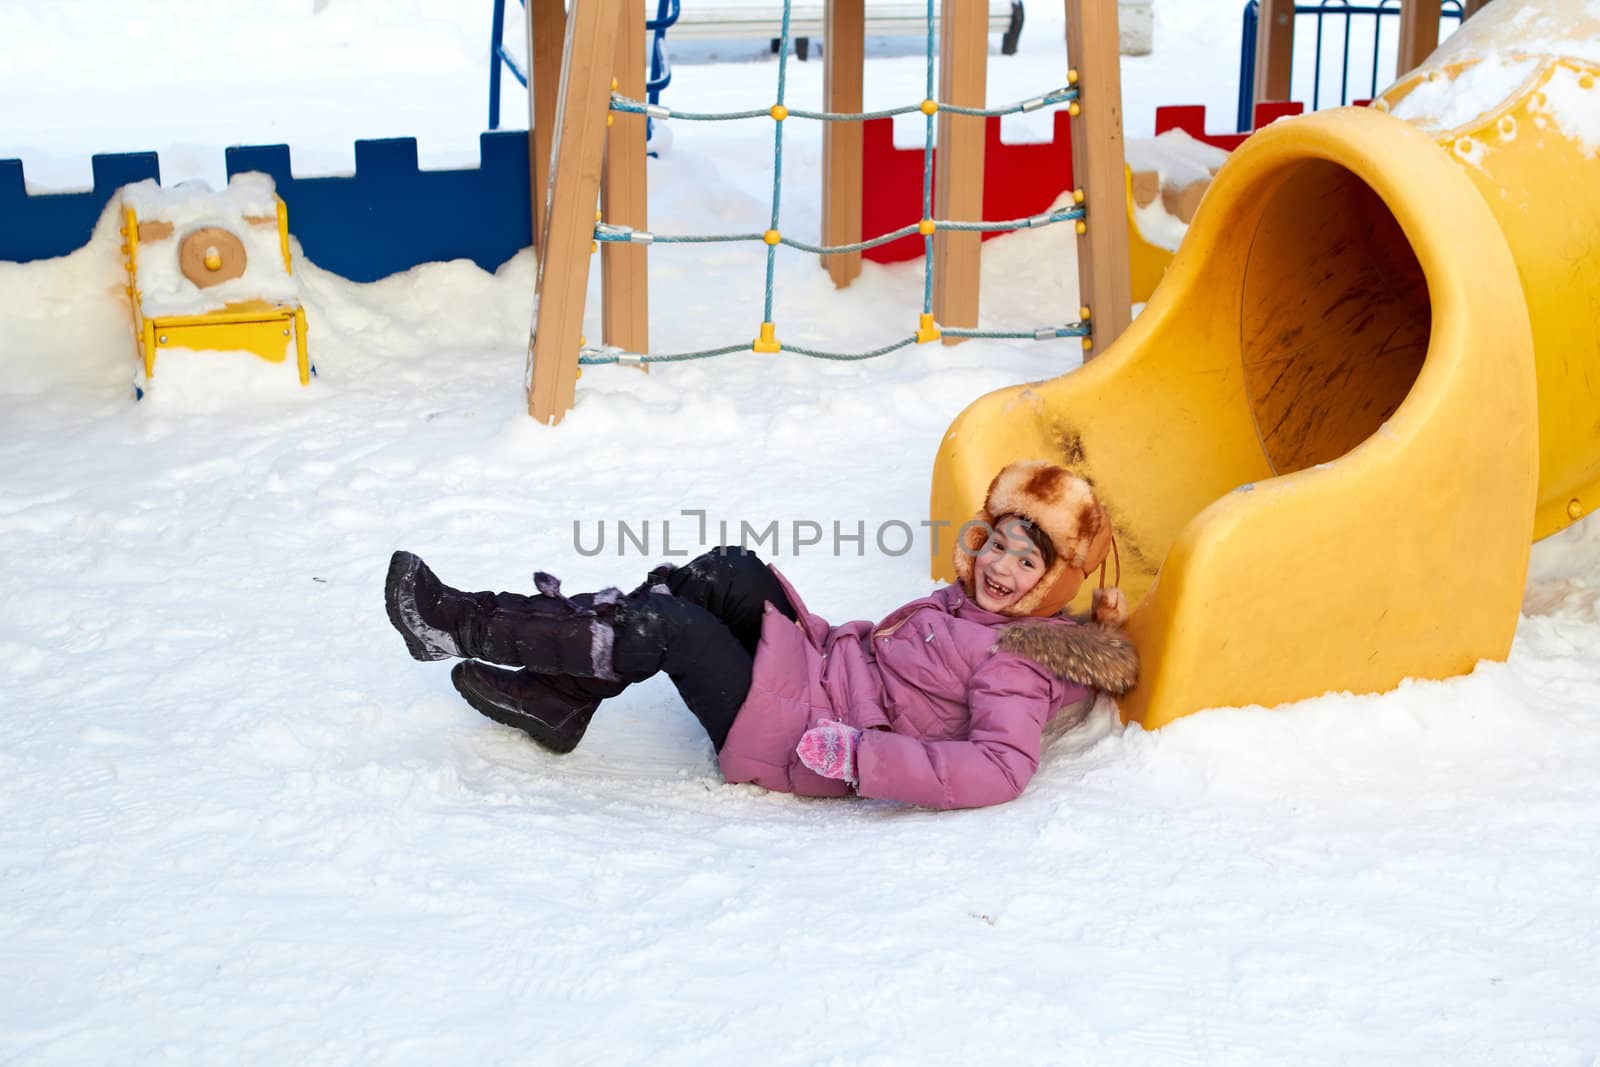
(494, 63)
(1247, 64)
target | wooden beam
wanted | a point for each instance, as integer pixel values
(574, 188)
(1419, 34)
(1274, 50)
(843, 61)
(624, 268)
(547, 31)
(1094, 51)
(1470, 8)
(958, 171)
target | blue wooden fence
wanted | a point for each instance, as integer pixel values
(389, 216)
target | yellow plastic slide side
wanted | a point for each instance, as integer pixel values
(1318, 443)
(1147, 261)
(1542, 182)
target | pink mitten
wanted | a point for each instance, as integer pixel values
(829, 748)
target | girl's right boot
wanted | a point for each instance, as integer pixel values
(552, 709)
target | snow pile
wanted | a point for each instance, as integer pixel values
(1178, 160)
(1177, 157)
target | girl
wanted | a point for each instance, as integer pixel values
(941, 704)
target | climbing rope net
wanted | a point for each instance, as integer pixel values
(927, 330)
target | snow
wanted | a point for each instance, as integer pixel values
(1178, 160)
(1441, 104)
(1504, 53)
(1571, 102)
(191, 206)
(1177, 157)
(241, 825)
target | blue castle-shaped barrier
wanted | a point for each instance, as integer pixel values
(387, 217)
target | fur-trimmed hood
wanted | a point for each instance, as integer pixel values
(1092, 654)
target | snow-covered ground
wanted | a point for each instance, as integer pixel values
(239, 824)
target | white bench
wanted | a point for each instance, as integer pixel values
(700, 22)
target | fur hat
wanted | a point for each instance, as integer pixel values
(1060, 504)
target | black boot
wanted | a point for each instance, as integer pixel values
(412, 595)
(549, 633)
(552, 709)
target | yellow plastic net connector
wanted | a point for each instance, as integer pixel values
(1088, 343)
(1078, 197)
(1074, 110)
(594, 246)
(927, 329)
(930, 107)
(615, 84)
(768, 341)
(1081, 226)
(772, 237)
(598, 215)
(1072, 77)
(779, 112)
(926, 227)
(1083, 313)
(611, 119)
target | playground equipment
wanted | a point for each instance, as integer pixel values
(1367, 381)
(212, 271)
(606, 158)
(667, 14)
(1343, 14)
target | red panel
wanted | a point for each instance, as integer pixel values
(1019, 179)
(1191, 119)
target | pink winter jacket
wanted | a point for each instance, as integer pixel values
(952, 699)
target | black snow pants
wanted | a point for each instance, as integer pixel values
(702, 632)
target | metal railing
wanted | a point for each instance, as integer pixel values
(1342, 11)
(660, 77)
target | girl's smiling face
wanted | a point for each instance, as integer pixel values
(1007, 568)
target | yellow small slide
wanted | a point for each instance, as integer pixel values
(1369, 379)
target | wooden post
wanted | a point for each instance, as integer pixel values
(958, 171)
(579, 151)
(547, 31)
(843, 60)
(1419, 34)
(1470, 8)
(1274, 49)
(1093, 50)
(624, 268)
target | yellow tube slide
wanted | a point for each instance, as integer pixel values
(1514, 97)
(1318, 443)
(1369, 379)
